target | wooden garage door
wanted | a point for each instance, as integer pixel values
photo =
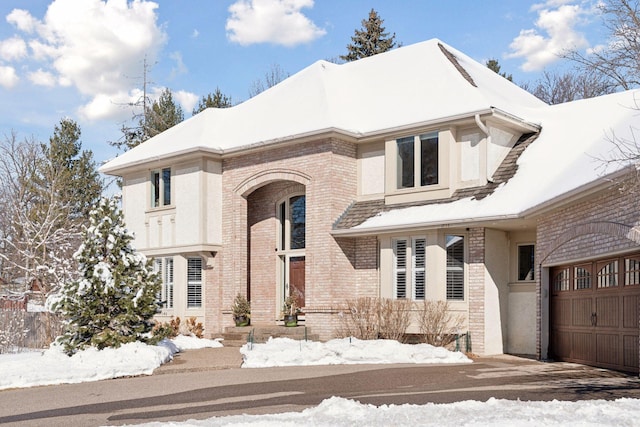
(594, 313)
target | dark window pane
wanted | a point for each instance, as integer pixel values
(406, 161)
(298, 222)
(282, 213)
(155, 189)
(429, 159)
(526, 262)
(166, 184)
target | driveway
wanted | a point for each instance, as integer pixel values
(196, 388)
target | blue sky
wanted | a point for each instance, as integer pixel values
(83, 59)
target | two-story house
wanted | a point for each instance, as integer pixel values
(414, 174)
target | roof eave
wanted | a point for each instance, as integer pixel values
(409, 228)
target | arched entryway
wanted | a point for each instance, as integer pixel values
(276, 243)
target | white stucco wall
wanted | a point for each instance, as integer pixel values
(134, 194)
(499, 145)
(496, 290)
(470, 156)
(521, 336)
(371, 171)
(188, 198)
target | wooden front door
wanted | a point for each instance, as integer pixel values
(296, 279)
(594, 312)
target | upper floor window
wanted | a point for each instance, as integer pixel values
(161, 187)
(417, 161)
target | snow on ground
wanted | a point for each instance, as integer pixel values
(53, 366)
(336, 412)
(345, 351)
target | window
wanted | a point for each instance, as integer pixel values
(581, 278)
(292, 217)
(526, 262)
(607, 274)
(164, 266)
(455, 267)
(631, 272)
(416, 254)
(161, 188)
(561, 281)
(194, 282)
(417, 160)
(400, 273)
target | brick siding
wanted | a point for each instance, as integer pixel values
(325, 171)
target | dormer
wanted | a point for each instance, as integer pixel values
(432, 162)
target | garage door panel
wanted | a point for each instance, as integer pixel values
(561, 312)
(630, 311)
(561, 344)
(581, 311)
(582, 346)
(607, 311)
(607, 346)
(630, 352)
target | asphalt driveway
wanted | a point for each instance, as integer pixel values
(204, 383)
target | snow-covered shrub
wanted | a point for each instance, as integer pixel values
(114, 300)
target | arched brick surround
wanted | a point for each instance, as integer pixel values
(265, 177)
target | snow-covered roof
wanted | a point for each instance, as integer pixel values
(420, 83)
(570, 154)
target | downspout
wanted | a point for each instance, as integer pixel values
(485, 130)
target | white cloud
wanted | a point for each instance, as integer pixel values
(42, 78)
(8, 76)
(13, 49)
(96, 46)
(555, 33)
(22, 20)
(186, 99)
(195, 34)
(271, 21)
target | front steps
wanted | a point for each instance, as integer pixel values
(237, 336)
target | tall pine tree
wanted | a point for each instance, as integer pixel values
(114, 300)
(370, 40)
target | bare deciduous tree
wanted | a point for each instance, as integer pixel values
(555, 88)
(619, 60)
(271, 78)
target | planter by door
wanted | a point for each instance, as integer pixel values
(290, 320)
(242, 321)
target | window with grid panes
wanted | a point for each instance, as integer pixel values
(455, 267)
(410, 268)
(194, 282)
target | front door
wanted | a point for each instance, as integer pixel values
(291, 247)
(296, 279)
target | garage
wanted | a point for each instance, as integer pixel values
(594, 312)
